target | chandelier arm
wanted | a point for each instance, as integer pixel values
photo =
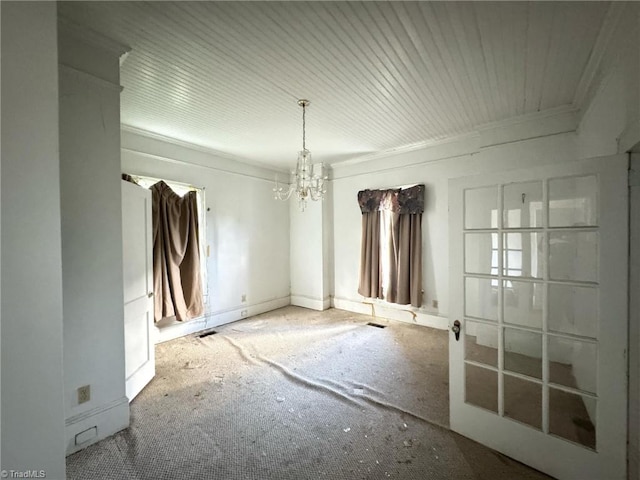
(317, 194)
(282, 194)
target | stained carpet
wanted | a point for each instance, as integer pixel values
(296, 394)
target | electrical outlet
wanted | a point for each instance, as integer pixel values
(243, 313)
(84, 394)
(434, 303)
(244, 297)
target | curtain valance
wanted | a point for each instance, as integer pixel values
(402, 200)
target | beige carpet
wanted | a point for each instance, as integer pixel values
(297, 394)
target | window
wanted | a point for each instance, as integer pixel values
(391, 256)
(195, 291)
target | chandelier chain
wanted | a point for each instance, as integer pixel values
(304, 126)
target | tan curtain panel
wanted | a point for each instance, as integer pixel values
(398, 238)
(176, 257)
(370, 285)
(406, 270)
(370, 256)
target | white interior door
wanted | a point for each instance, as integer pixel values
(139, 329)
(539, 286)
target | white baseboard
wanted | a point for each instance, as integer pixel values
(180, 329)
(313, 303)
(401, 313)
(107, 419)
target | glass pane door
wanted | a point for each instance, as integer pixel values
(531, 293)
(537, 259)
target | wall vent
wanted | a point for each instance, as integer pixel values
(207, 333)
(377, 325)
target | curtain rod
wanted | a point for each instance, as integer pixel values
(405, 186)
(400, 187)
(188, 185)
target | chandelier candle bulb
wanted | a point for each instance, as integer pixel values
(307, 180)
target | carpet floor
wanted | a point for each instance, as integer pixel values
(296, 394)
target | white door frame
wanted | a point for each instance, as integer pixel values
(634, 317)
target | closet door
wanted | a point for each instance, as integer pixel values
(139, 328)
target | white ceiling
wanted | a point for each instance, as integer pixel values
(380, 75)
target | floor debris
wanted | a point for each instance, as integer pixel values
(332, 371)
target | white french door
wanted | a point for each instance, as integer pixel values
(539, 287)
(139, 328)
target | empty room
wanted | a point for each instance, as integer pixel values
(301, 240)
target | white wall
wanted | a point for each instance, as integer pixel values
(433, 167)
(609, 124)
(32, 384)
(610, 119)
(306, 254)
(327, 247)
(91, 235)
(0, 275)
(247, 230)
(309, 256)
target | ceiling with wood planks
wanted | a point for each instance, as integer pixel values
(380, 76)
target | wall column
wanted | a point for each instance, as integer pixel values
(311, 235)
(634, 317)
(32, 420)
(91, 208)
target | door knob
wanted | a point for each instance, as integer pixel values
(456, 329)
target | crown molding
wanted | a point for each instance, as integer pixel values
(427, 144)
(532, 125)
(199, 148)
(523, 127)
(608, 29)
(91, 37)
(69, 70)
(161, 147)
(552, 121)
(528, 118)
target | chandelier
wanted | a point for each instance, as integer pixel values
(307, 180)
